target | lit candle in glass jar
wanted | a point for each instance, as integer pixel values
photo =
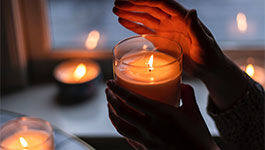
(77, 80)
(153, 74)
(27, 140)
(26, 134)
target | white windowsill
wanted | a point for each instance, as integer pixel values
(88, 119)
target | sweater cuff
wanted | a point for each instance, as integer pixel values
(242, 125)
(252, 99)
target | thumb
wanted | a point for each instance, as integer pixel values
(187, 96)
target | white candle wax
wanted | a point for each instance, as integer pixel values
(160, 82)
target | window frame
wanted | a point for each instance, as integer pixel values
(39, 37)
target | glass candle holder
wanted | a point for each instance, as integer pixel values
(77, 80)
(26, 133)
(150, 66)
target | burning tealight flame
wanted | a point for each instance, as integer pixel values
(145, 47)
(80, 71)
(92, 39)
(23, 142)
(241, 20)
(250, 70)
(150, 63)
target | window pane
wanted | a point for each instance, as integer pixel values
(220, 16)
(72, 20)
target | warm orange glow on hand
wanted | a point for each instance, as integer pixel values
(250, 70)
(241, 20)
(171, 20)
(23, 142)
(79, 72)
(92, 39)
(150, 63)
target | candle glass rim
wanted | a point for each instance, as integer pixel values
(50, 132)
(144, 35)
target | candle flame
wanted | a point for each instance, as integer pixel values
(92, 39)
(250, 70)
(150, 63)
(145, 47)
(23, 142)
(80, 71)
(242, 24)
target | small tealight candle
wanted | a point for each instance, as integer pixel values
(26, 133)
(76, 71)
(77, 79)
(143, 67)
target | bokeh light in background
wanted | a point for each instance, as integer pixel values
(234, 23)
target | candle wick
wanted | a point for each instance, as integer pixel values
(150, 68)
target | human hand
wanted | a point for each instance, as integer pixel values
(169, 19)
(150, 124)
(202, 56)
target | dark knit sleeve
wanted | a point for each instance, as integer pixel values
(242, 126)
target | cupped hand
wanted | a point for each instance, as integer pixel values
(169, 19)
(149, 124)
